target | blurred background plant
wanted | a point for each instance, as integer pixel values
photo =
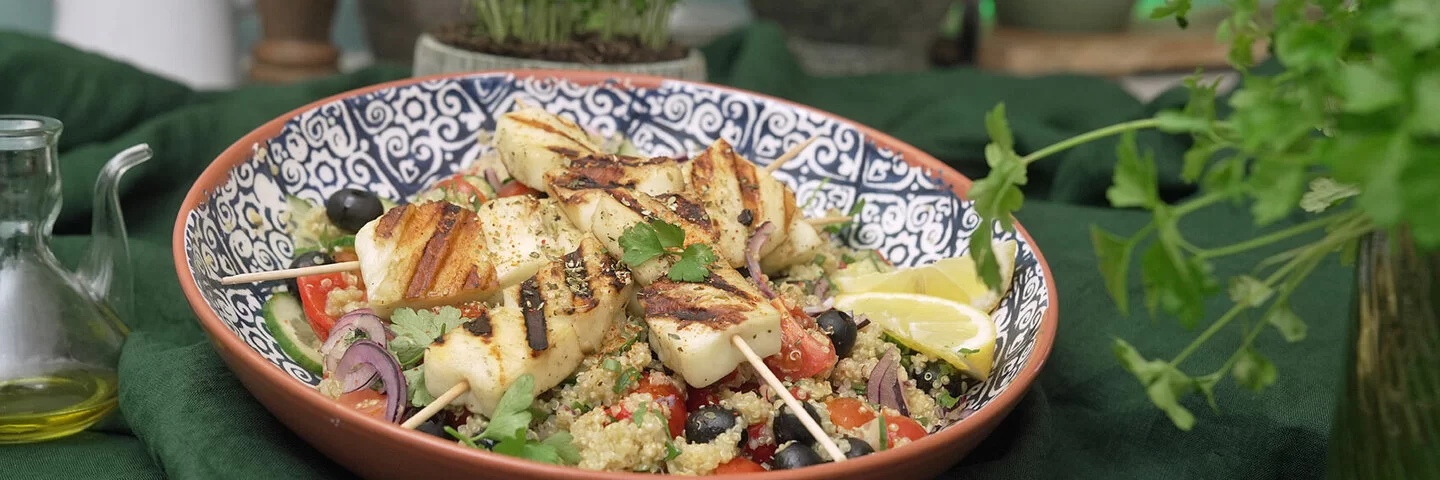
(556, 21)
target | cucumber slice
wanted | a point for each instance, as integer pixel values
(305, 238)
(285, 319)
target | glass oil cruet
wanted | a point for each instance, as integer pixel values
(60, 332)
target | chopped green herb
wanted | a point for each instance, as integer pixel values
(627, 378)
(643, 242)
(417, 329)
(946, 400)
(819, 260)
(671, 451)
(847, 259)
(854, 211)
(512, 419)
(884, 434)
(611, 365)
(415, 380)
(966, 351)
(638, 417)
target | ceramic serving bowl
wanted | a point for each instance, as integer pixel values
(396, 138)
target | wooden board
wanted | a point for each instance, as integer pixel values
(1148, 47)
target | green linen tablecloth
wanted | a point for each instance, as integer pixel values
(184, 415)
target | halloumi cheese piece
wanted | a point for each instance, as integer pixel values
(491, 351)
(741, 197)
(799, 246)
(651, 176)
(691, 324)
(532, 141)
(524, 233)
(586, 288)
(423, 255)
(616, 210)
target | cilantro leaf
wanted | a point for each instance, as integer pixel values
(1173, 283)
(1325, 193)
(1254, 371)
(512, 413)
(694, 264)
(997, 196)
(1113, 254)
(417, 329)
(415, 380)
(1163, 383)
(670, 235)
(1287, 322)
(641, 243)
(1277, 185)
(1135, 183)
(1249, 291)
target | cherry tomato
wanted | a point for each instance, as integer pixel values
(366, 401)
(458, 187)
(314, 294)
(761, 446)
(849, 412)
(513, 188)
(346, 256)
(666, 393)
(699, 397)
(897, 427)
(738, 465)
(803, 353)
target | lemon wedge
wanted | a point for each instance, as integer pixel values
(960, 334)
(952, 278)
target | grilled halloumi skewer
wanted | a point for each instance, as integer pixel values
(491, 351)
(423, 255)
(586, 288)
(524, 234)
(614, 210)
(532, 141)
(691, 324)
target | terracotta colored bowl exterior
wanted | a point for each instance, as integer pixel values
(375, 449)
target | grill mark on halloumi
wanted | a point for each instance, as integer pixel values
(575, 274)
(436, 249)
(618, 277)
(686, 209)
(532, 305)
(389, 222)
(479, 327)
(668, 299)
(749, 184)
(546, 127)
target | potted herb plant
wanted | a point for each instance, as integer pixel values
(851, 37)
(1345, 138)
(630, 36)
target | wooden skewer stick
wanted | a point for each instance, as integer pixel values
(790, 155)
(822, 221)
(810, 424)
(435, 406)
(291, 273)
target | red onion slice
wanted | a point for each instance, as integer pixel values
(822, 287)
(884, 385)
(492, 178)
(367, 353)
(752, 257)
(361, 320)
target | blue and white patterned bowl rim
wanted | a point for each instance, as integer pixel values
(396, 141)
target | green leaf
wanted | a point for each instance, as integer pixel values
(694, 264)
(982, 252)
(1196, 158)
(1287, 322)
(1254, 371)
(1172, 121)
(641, 243)
(416, 329)
(998, 128)
(1419, 23)
(1309, 46)
(627, 378)
(1175, 284)
(946, 400)
(1367, 89)
(669, 234)
(1427, 101)
(1177, 8)
(1383, 200)
(1206, 386)
(512, 413)
(415, 381)
(671, 451)
(611, 364)
(1325, 193)
(1163, 383)
(1135, 182)
(1420, 194)
(1276, 185)
(1113, 254)
(1249, 291)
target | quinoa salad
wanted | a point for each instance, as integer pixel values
(567, 300)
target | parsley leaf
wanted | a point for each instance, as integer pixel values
(997, 196)
(1325, 193)
(1287, 322)
(1367, 89)
(946, 400)
(1177, 8)
(512, 413)
(668, 234)
(1113, 254)
(671, 451)
(1254, 371)
(1174, 283)
(694, 264)
(641, 243)
(416, 329)
(1277, 185)
(1163, 383)
(1135, 182)
(419, 395)
(564, 445)
(1249, 291)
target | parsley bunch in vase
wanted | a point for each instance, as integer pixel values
(1347, 138)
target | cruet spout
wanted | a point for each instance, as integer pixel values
(106, 269)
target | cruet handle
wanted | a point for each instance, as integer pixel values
(105, 271)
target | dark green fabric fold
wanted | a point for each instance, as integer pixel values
(186, 416)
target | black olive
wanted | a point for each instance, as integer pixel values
(350, 209)
(307, 259)
(788, 427)
(794, 456)
(488, 444)
(858, 447)
(841, 329)
(941, 375)
(710, 421)
(433, 427)
(746, 217)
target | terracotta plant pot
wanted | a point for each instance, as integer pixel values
(1066, 15)
(849, 37)
(434, 57)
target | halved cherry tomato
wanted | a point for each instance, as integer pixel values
(699, 397)
(315, 293)
(667, 394)
(738, 465)
(366, 401)
(513, 188)
(849, 412)
(802, 354)
(459, 188)
(761, 445)
(897, 427)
